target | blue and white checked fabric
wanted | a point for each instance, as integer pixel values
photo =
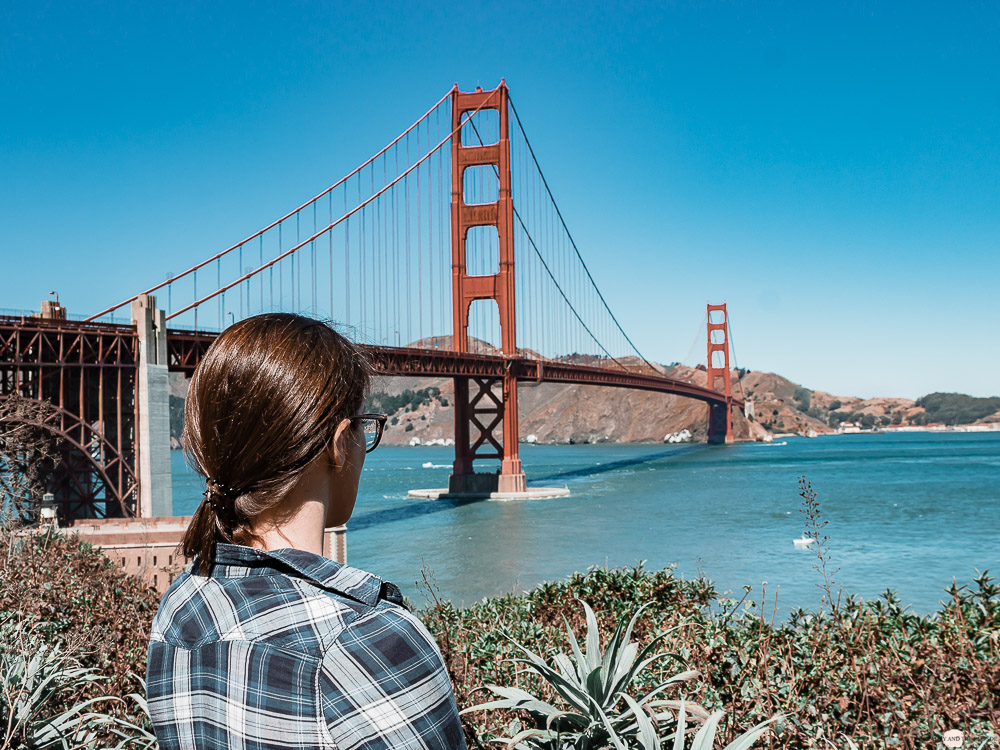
(288, 649)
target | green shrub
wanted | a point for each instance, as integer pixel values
(802, 396)
(77, 596)
(407, 400)
(957, 408)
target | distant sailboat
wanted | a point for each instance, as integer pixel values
(803, 541)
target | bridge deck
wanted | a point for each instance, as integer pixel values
(186, 347)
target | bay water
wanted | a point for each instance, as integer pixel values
(908, 512)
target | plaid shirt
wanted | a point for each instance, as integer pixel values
(287, 649)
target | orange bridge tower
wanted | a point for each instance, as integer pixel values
(720, 416)
(477, 404)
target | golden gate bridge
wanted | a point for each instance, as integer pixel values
(445, 254)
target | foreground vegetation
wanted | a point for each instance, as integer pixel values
(870, 672)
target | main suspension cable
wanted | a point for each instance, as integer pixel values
(570, 235)
(546, 265)
(277, 222)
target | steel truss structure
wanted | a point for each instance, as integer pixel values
(87, 373)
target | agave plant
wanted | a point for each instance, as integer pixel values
(34, 675)
(599, 711)
(704, 738)
(131, 735)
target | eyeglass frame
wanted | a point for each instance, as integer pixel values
(380, 420)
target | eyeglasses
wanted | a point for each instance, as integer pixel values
(372, 425)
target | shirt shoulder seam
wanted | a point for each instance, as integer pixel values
(304, 588)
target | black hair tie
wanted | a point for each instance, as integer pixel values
(220, 497)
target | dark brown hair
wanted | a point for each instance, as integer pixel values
(263, 403)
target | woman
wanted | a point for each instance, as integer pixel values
(262, 642)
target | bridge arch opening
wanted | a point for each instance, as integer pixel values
(482, 128)
(484, 332)
(482, 251)
(480, 185)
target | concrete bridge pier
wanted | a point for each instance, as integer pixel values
(720, 423)
(155, 494)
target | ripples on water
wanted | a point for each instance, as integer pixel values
(907, 512)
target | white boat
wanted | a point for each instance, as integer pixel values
(803, 541)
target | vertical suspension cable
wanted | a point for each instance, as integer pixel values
(377, 276)
(420, 255)
(430, 238)
(218, 279)
(347, 261)
(246, 285)
(381, 250)
(362, 317)
(387, 277)
(312, 261)
(397, 271)
(292, 259)
(440, 204)
(330, 203)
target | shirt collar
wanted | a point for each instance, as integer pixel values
(324, 572)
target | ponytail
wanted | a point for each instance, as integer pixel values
(218, 519)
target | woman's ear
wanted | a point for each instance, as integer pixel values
(339, 450)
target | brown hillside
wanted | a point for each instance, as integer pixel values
(558, 413)
(776, 405)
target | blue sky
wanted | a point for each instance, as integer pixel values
(833, 173)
